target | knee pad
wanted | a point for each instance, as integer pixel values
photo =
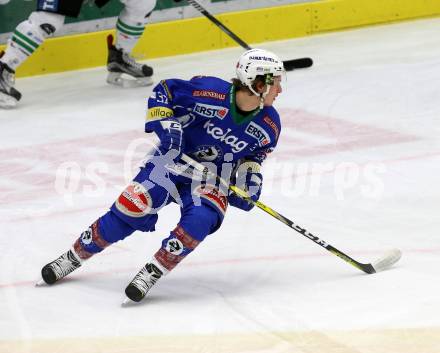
(136, 206)
(212, 209)
(137, 10)
(175, 248)
(211, 196)
(203, 209)
(48, 22)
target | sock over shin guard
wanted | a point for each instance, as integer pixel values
(103, 232)
(29, 35)
(175, 248)
(131, 23)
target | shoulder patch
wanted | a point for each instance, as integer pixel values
(164, 84)
(272, 125)
(209, 94)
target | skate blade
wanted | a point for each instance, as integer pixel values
(40, 283)
(127, 302)
(126, 81)
(7, 102)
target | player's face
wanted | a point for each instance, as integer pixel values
(274, 91)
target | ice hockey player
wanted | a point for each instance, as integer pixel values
(49, 18)
(230, 125)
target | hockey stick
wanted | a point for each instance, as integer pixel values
(384, 262)
(289, 65)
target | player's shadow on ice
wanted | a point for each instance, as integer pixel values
(182, 287)
(208, 286)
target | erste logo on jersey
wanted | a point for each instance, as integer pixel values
(219, 134)
(210, 111)
(259, 133)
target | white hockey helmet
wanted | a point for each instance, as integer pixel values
(258, 62)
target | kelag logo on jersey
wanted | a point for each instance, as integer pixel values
(259, 133)
(210, 111)
(219, 134)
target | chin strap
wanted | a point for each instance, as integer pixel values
(262, 95)
(261, 101)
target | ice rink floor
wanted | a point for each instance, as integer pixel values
(358, 164)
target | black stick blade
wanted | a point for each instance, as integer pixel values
(294, 64)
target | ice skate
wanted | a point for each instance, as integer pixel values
(124, 71)
(61, 267)
(9, 96)
(142, 283)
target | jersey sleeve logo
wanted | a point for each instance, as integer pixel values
(257, 132)
(210, 111)
(209, 94)
(158, 113)
(272, 125)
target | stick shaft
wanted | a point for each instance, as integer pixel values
(289, 65)
(220, 25)
(367, 268)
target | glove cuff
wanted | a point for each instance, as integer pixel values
(250, 166)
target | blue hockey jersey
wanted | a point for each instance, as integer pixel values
(212, 126)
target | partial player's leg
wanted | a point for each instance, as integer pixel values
(129, 28)
(9, 96)
(26, 38)
(202, 214)
(135, 209)
(102, 233)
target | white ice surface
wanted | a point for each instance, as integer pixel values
(358, 165)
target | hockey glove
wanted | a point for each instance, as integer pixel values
(250, 180)
(171, 139)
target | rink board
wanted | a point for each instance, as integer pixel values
(371, 100)
(254, 26)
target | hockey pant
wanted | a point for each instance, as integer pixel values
(72, 8)
(49, 18)
(129, 26)
(202, 211)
